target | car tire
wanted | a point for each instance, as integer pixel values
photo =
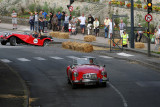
(13, 41)
(3, 42)
(69, 82)
(74, 86)
(104, 84)
(45, 43)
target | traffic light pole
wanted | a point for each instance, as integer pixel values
(149, 40)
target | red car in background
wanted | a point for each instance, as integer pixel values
(27, 37)
(86, 71)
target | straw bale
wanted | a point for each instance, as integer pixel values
(54, 34)
(63, 35)
(159, 49)
(89, 38)
(139, 45)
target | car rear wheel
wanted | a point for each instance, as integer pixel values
(3, 42)
(46, 43)
(13, 41)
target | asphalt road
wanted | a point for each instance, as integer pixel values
(44, 70)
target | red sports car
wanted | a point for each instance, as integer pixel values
(27, 38)
(86, 71)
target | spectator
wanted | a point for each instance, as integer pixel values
(59, 15)
(69, 26)
(54, 22)
(90, 23)
(139, 33)
(74, 21)
(106, 23)
(96, 26)
(14, 19)
(125, 38)
(155, 36)
(50, 19)
(45, 25)
(44, 14)
(36, 19)
(110, 28)
(41, 25)
(82, 21)
(62, 20)
(121, 27)
(66, 22)
(31, 22)
(41, 16)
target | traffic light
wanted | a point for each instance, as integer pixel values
(71, 1)
(149, 5)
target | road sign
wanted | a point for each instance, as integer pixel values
(71, 8)
(148, 17)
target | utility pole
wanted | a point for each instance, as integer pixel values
(132, 25)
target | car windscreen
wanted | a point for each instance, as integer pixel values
(83, 61)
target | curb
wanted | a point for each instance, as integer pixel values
(26, 93)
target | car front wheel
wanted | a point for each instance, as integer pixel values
(13, 41)
(46, 43)
(3, 42)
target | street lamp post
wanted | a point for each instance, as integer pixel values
(132, 25)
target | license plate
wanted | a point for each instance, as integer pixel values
(89, 83)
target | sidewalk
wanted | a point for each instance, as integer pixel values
(13, 92)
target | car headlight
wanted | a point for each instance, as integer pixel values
(75, 74)
(103, 72)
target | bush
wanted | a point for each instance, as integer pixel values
(59, 9)
(38, 8)
(45, 7)
(32, 7)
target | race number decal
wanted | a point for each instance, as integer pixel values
(35, 41)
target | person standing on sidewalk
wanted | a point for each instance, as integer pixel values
(62, 20)
(110, 28)
(54, 22)
(36, 20)
(106, 23)
(44, 14)
(90, 23)
(96, 26)
(139, 33)
(59, 15)
(31, 22)
(50, 19)
(125, 39)
(82, 21)
(121, 27)
(14, 19)
(66, 22)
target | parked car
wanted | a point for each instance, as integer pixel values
(86, 71)
(26, 37)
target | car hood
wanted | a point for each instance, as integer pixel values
(87, 68)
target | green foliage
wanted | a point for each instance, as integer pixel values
(32, 7)
(38, 8)
(139, 2)
(125, 20)
(117, 21)
(46, 7)
(59, 9)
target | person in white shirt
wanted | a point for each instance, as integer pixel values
(14, 19)
(106, 23)
(69, 26)
(82, 21)
(96, 26)
(110, 28)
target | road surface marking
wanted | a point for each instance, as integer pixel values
(124, 54)
(56, 57)
(120, 94)
(23, 59)
(5, 60)
(72, 57)
(88, 56)
(107, 57)
(39, 58)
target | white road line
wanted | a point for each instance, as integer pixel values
(5, 60)
(39, 58)
(88, 56)
(56, 57)
(23, 59)
(124, 54)
(72, 57)
(107, 57)
(120, 94)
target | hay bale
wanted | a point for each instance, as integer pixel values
(139, 45)
(89, 38)
(63, 35)
(54, 34)
(117, 41)
(159, 49)
(83, 47)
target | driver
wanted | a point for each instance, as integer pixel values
(91, 61)
(35, 34)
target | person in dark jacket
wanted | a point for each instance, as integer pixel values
(31, 22)
(90, 23)
(62, 20)
(50, 19)
(54, 22)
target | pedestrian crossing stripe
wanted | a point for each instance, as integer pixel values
(5, 60)
(124, 54)
(39, 58)
(23, 59)
(72, 57)
(56, 57)
(107, 57)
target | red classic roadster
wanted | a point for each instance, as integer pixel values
(27, 38)
(86, 71)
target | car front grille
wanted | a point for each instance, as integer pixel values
(90, 76)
